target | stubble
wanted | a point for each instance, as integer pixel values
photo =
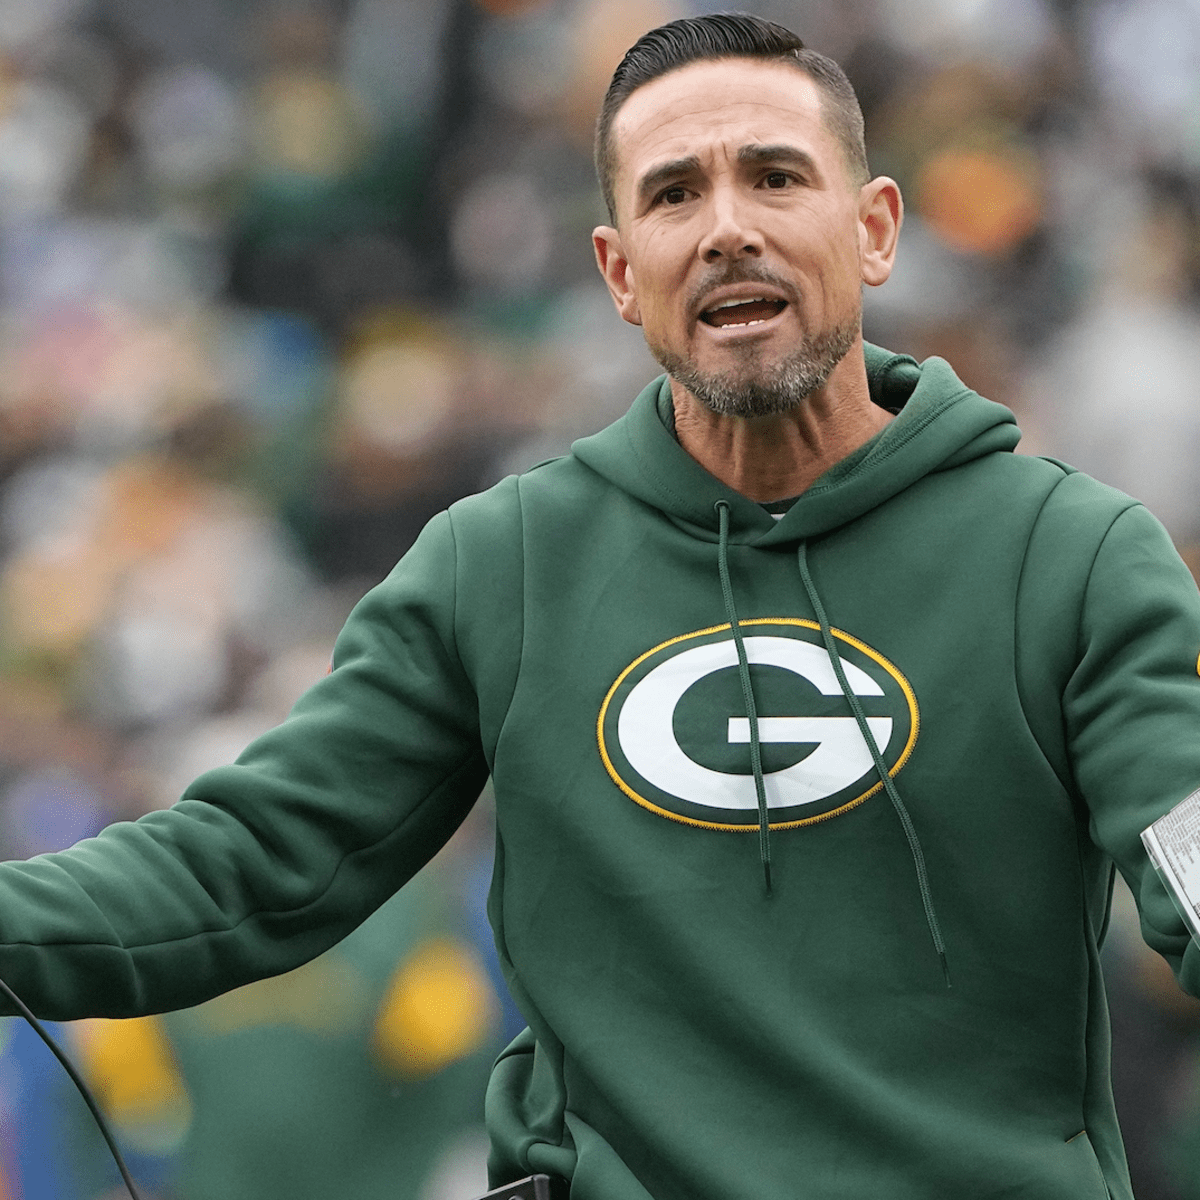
(751, 387)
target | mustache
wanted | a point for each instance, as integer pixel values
(744, 271)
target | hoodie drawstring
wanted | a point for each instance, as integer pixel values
(760, 787)
(889, 784)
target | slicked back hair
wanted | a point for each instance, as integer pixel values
(729, 35)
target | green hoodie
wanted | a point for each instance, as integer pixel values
(913, 1008)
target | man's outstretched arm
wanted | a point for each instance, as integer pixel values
(266, 863)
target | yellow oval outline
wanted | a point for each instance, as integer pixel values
(890, 668)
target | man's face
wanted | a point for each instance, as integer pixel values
(740, 243)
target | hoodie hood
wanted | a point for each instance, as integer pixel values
(941, 424)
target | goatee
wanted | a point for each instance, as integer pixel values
(758, 390)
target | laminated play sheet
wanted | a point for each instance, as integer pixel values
(1173, 843)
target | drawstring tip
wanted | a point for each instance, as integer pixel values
(767, 874)
(945, 968)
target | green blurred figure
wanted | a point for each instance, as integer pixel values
(355, 1075)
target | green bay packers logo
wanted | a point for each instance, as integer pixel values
(675, 738)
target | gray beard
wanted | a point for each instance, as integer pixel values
(758, 391)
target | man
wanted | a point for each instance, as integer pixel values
(816, 718)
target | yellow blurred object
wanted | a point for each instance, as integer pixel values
(130, 1068)
(307, 123)
(52, 598)
(438, 1009)
(395, 394)
(980, 201)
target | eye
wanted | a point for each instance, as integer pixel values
(676, 194)
(777, 179)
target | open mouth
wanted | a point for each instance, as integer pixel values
(742, 312)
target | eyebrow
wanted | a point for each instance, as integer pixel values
(664, 173)
(785, 155)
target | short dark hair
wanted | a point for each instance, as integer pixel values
(729, 35)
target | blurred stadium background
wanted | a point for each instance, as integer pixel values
(278, 281)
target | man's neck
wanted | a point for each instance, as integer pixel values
(777, 457)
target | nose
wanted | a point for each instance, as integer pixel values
(733, 232)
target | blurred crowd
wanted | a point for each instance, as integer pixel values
(280, 279)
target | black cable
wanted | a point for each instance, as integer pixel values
(77, 1080)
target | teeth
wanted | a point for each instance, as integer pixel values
(733, 303)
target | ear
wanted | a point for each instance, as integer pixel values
(880, 213)
(614, 266)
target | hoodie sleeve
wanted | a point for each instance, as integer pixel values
(264, 864)
(1132, 711)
